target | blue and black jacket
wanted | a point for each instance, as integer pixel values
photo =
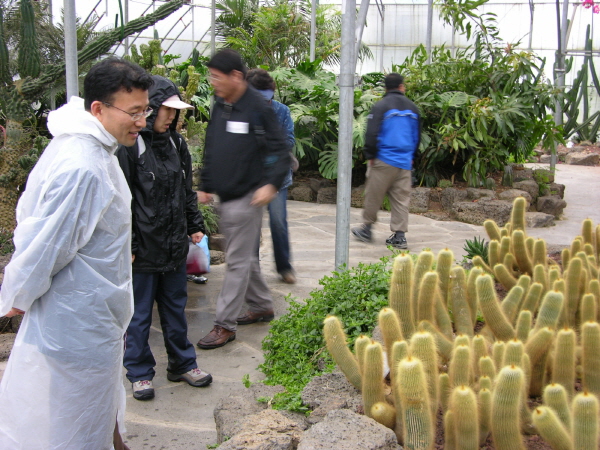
(402, 158)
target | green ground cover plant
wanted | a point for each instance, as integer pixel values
(294, 349)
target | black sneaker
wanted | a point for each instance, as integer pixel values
(362, 233)
(397, 241)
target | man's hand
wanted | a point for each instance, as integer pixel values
(132, 258)
(264, 195)
(197, 237)
(204, 197)
(15, 312)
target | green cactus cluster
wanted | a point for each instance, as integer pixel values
(537, 341)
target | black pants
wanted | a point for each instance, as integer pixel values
(169, 290)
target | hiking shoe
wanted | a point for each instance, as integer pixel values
(200, 280)
(195, 377)
(253, 317)
(143, 390)
(217, 337)
(288, 277)
(397, 241)
(362, 233)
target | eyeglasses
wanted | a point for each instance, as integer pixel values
(134, 116)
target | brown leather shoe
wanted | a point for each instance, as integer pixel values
(253, 317)
(218, 337)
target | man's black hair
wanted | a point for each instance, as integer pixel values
(393, 81)
(110, 76)
(260, 79)
(226, 61)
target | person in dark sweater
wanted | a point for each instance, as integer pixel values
(392, 138)
(246, 160)
(158, 169)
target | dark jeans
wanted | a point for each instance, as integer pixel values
(170, 292)
(279, 231)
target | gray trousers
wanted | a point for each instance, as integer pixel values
(240, 223)
(385, 179)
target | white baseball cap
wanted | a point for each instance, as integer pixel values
(175, 102)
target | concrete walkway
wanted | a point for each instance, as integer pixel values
(181, 417)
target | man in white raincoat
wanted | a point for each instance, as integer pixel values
(71, 273)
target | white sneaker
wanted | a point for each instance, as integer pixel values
(143, 390)
(195, 377)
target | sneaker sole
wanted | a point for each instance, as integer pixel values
(360, 238)
(146, 394)
(200, 383)
(260, 319)
(211, 346)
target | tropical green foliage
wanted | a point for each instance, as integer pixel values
(294, 349)
(277, 33)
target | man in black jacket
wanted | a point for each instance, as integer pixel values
(392, 138)
(158, 169)
(246, 160)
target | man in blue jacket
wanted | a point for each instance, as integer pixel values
(393, 136)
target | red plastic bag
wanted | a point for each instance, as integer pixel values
(197, 261)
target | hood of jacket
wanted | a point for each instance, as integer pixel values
(162, 89)
(72, 118)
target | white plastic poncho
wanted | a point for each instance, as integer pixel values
(71, 273)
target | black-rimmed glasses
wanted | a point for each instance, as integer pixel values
(134, 116)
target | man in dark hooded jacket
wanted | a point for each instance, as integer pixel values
(165, 212)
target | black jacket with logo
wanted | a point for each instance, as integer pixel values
(164, 206)
(238, 158)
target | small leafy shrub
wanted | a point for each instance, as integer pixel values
(542, 178)
(294, 349)
(445, 184)
(6, 242)
(476, 247)
(211, 219)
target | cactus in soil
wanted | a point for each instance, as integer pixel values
(537, 348)
(445, 259)
(550, 310)
(585, 421)
(513, 353)
(5, 76)
(587, 231)
(463, 403)
(360, 345)
(484, 399)
(517, 216)
(532, 298)
(479, 346)
(573, 286)
(335, 339)
(521, 253)
(485, 382)
(494, 253)
(588, 308)
(449, 431)
(372, 380)
(590, 358)
(498, 353)
(555, 397)
(506, 402)
(540, 253)
(504, 276)
(490, 308)
(540, 275)
(444, 345)
(417, 427)
(523, 326)
(29, 54)
(442, 317)
(553, 275)
(492, 230)
(398, 353)
(563, 369)
(460, 370)
(565, 257)
(384, 413)
(422, 267)
(401, 292)
(422, 346)
(458, 301)
(551, 429)
(427, 297)
(472, 291)
(444, 390)
(510, 304)
(390, 328)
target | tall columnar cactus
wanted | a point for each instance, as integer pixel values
(418, 427)
(422, 346)
(335, 338)
(372, 380)
(590, 358)
(563, 369)
(506, 402)
(551, 429)
(463, 403)
(555, 396)
(5, 77)
(488, 302)
(401, 292)
(29, 51)
(585, 421)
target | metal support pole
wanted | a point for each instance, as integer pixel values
(71, 49)
(193, 27)
(213, 20)
(382, 37)
(346, 115)
(560, 69)
(429, 29)
(360, 26)
(126, 21)
(313, 28)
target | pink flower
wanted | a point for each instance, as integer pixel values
(597, 9)
(588, 3)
